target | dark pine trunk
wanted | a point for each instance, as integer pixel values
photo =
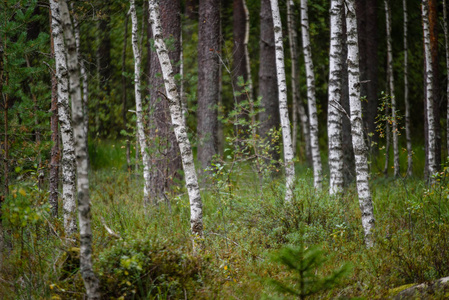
(268, 88)
(367, 30)
(165, 157)
(208, 80)
(239, 57)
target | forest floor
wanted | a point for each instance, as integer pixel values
(255, 246)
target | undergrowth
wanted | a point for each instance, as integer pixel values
(149, 255)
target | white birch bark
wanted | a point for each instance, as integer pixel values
(390, 76)
(85, 91)
(283, 108)
(446, 44)
(245, 46)
(139, 120)
(334, 119)
(196, 210)
(311, 100)
(91, 281)
(298, 106)
(358, 142)
(429, 91)
(408, 136)
(68, 144)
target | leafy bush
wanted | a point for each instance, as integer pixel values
(145, 268)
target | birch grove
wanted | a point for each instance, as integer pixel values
(172, 95)
(311, 100)
(91, 281)
(429, 91)
(390, 76)
(297, 104)
(358, 141)
(139, 120)
(283, 109)
(68, 144)
(334, 119)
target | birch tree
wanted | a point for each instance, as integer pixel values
(54, 152)
(139, 120)
(68, 144)
(85, 83)
(91, 281)
(283, 108)
(446, 44)
(406, 100)
(311, 100)
(358, 142)
(431, 140)
(196, 211)
(390, 76)
(334, 121)
(297, 104)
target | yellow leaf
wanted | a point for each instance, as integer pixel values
(22, 192)
(128, 283)
(225, 267)
(126, 273)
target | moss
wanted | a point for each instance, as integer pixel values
(394, 291)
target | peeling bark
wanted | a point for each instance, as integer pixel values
(334, 120)
(68, 144)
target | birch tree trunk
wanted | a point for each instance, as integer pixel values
(431, 140)
(390, 76)
(85, 91)
(283, 108)
(406, 100)
(196, 211)
(91, 281)
(139, 120)
(334, 121)
(358, 142)
(68, 144)
(54, 153)
(311, 100)
(446, 44)
(298, 106)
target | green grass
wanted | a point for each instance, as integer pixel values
(154, 259)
